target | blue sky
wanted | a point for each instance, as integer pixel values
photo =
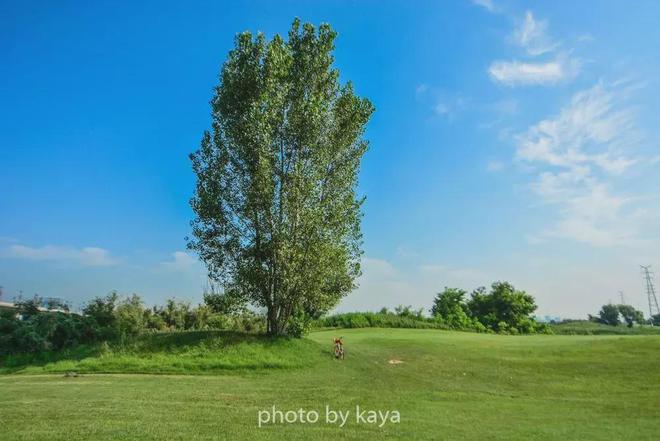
(511, 141)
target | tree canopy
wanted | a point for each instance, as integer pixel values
(450, 306)
(277, 215)
(610, 314)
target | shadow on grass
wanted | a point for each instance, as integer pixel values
(15, 363)
(174, 344)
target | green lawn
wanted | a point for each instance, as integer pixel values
(449, 386)
(584, 327)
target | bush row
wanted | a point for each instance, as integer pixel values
(29, 329)
(377, 320)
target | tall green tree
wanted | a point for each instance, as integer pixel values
(503, 306)
(609, 314)
(630, 315)
(449, 305)
(277, 215)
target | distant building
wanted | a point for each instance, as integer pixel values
(548, 319)
(8, 306)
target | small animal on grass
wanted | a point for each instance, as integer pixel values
(339, 348)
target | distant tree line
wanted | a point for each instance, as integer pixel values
(112, 317)
(503, 310)
(614, 315)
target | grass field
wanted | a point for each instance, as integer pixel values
(584, 327)
(448, 386)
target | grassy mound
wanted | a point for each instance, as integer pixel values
(447, 385)
(173, 353)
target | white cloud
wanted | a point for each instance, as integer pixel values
(507, 106)
(487, 4)
(449, 107)
(406, 253)
(494, 166)
(595, 128)
(585, 38)
(442, 103)
(88, 256)
(520, 73)
(181, 262)
(576, 154)
(532, 35)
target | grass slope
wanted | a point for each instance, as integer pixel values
(584, 327)
(449, 386)
(173, 353)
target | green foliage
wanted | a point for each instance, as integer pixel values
(300, 324)
(110, 318)
(503, 308)
(609, 315)
(449, 307)
(378, 320)
(129, 316)
(186, 352)
(407, 311)
(630, 315)
(153, 320)
(451, 386)
(655, 320)
(28, 308)
(587, 327)
(478, 326)
(102, 311)
(45, 331)
(224, 303)
(277, 215)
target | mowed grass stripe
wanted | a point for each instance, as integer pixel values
(449, 386)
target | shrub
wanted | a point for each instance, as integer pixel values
(359, 321)
(609, 315)
(502, 327)
(102, 309)
(378, 320)
(449, 308)
(300, 324)
(503, 308)
(129, 316)
(478, 326)
(220, 321)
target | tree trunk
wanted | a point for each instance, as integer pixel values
(272, 322)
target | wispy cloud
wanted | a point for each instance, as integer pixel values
(448, 107)
(520, 73)
(181, 262)
(487, 4)
(595, 128)
(442, 103)
(494, 166)
(576, 154)
(532, 35)
(88, 256)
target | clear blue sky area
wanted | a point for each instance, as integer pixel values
(511, 141)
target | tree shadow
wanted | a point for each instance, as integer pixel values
(141, 345)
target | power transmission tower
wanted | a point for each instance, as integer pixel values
(650, 290)
(623, 302)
